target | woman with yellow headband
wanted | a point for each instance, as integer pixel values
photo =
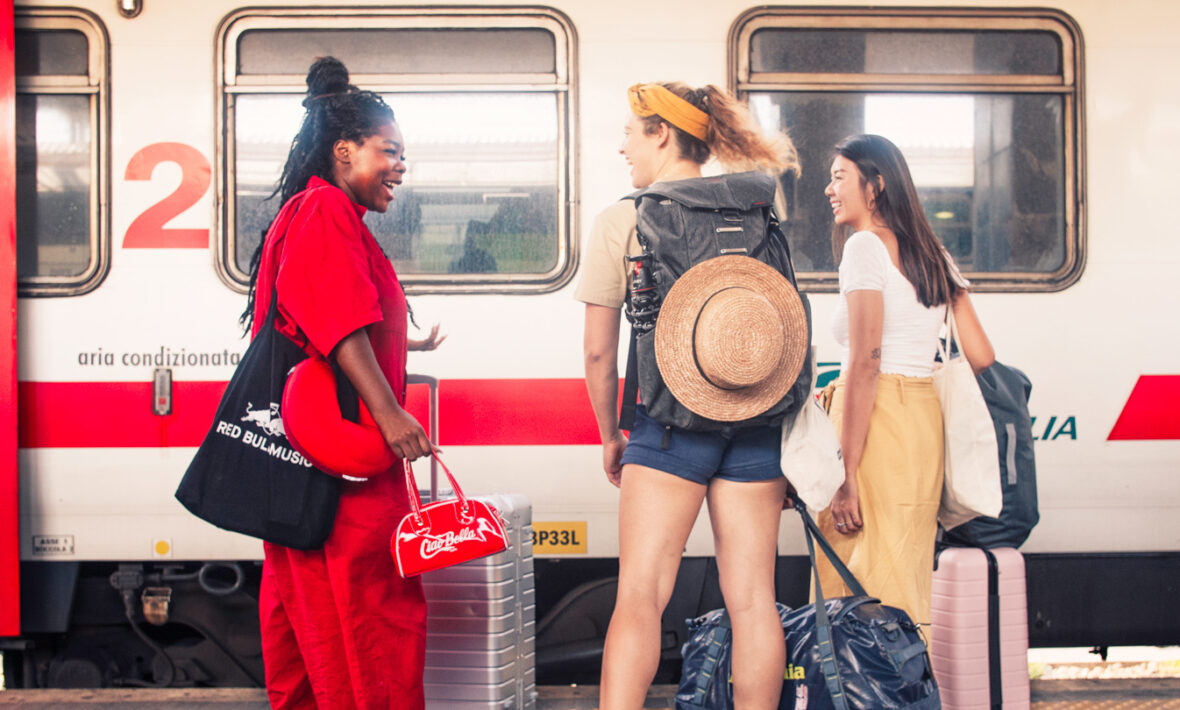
(673, 130)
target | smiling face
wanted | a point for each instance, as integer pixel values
(642, 151)
(850, 195)
(368, 171)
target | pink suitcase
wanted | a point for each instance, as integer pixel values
(979, 623)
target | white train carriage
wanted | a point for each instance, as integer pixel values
(149, 135)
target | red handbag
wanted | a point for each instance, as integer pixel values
(446, 532)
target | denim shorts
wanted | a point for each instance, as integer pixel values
(743, 454)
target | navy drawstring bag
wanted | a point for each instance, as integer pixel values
(1005, 391)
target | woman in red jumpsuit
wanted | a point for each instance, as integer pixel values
(340, 628)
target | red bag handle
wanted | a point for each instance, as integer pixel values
(416, 500)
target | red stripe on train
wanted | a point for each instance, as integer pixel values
(515, 412)
(471, 413)
(1151, 412)
(113, 414)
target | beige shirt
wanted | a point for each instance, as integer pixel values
(606, 275)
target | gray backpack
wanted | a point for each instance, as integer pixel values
(680, 224)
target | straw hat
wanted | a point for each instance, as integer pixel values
(731, 338)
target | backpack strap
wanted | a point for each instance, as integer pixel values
(631, 379)
(630, 387)
(775, 234)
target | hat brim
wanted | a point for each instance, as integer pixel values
(314, 425)
(675, 332)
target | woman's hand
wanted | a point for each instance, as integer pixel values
(404, 434)
(845, 507)
(430, 342)
(612, 454)
(400, 430)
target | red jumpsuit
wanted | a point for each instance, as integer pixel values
(340, 628)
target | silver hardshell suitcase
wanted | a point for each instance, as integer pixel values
(481, 623)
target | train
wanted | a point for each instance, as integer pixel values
(141, 147)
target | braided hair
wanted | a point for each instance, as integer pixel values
(336, 110)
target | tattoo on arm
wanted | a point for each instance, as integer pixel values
(876, 354)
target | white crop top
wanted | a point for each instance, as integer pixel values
(909, 335)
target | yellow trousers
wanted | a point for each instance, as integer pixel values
(900, 485)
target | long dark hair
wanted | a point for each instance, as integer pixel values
(336, 110)
(923, 259)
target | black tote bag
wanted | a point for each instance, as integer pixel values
(246, 477)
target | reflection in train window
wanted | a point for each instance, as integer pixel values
(60, 68)
(485, 204)
(890, 51)
(412, 51)
(985, 106)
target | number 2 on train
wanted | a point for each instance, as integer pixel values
(148, 230)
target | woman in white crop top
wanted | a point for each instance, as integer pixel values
(896, 280)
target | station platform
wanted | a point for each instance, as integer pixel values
(1106, 694)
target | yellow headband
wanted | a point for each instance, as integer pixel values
(654, 100)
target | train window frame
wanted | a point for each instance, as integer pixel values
(560, 83)
(1067, 83)
(96, 86)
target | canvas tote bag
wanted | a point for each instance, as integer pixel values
(971, 484)
(810, 453)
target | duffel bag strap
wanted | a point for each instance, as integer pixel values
(718, 637)
(823, 625)
(809, 526)
(902, 656)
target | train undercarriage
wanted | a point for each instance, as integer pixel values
(102, 625)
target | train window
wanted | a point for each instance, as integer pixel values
(412, 51)
(884, 51)
(61, 113)
(985, 105)
(484, 101)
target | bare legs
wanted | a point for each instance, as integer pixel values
(745, 535)
(656, 514)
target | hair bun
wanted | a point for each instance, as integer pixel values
(327, 75)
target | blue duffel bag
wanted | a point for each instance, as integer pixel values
(851, 653)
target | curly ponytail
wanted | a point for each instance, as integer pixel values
(732, 135)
